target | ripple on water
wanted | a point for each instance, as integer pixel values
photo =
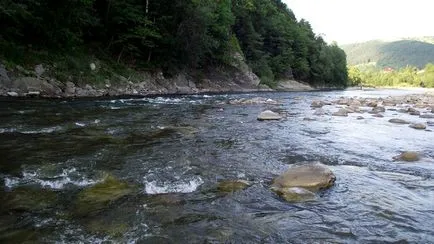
(46, 130)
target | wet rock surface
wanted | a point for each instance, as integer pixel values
(300, 182)
(269, 115)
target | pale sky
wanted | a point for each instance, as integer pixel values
(348, 21)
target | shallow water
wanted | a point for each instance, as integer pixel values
(176, 150)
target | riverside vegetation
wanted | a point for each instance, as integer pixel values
(404, 77)
(100, 43)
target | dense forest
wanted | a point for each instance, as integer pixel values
(396, 54)
(174, 35)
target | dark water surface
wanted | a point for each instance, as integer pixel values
(176, 150)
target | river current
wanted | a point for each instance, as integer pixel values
(176, 149)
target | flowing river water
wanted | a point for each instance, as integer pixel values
(175, 150)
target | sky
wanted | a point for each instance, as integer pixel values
(350, 21)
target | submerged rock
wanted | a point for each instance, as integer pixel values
(301, 181)
(228, 186)
(398, 121)
(297, 194)
(27, 199)
(113, 228)
(269, 115)
(407, 156)
(99, 196)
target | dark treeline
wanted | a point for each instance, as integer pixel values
(175, 34)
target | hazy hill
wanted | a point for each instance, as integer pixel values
(396, 54)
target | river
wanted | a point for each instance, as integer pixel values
(176, 149)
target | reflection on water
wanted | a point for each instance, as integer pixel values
(176, 149)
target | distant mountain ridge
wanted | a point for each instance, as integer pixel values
(415, 52)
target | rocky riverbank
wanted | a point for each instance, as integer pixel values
(39, 81)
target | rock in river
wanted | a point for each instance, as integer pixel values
(99, 196)
(418, 126)
(228, 186)
(269, 115)
(317, 104)
(341, 112)
(398, 121)
(296, 194)
(296, 183)
(27, 199)
(407, 156)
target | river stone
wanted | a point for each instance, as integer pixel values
(39, 70)
(407, 156)
(296, 194)
(343, 101)
(269, 115)
(12, 94)
(4, 78)
(411, 110)
(372, 104)
(99, 196)
(70, 89)
(317, 104)
(427, 116)
(360, 117)
(27, 199)
(378, 109)
(341, 112)
(228, 186)
(398, 121)
(355, 103)
(312, 176)
(319, 112)
(418, 126)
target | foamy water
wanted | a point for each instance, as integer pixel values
(68, 176)
(181, 186)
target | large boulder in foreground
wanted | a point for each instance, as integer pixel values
(300, 182)
(269, 115)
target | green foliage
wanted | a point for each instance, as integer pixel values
(173, 34)
(405, 77)
(397, 54)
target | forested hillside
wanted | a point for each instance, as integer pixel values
(397, 54)
(173, 35)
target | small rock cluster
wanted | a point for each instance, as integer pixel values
(415, 105)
